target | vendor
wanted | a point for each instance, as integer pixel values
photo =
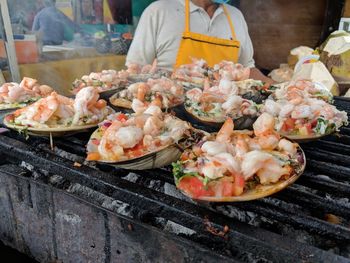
(52, 23)
(174, 31)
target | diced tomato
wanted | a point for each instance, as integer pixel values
(93, 156)
(194, 187)
(288, 125)
(314, 123)
(238, 185)
(137, 150)
(10, 118)
(227, 188)
(122, 117)
(185, 156)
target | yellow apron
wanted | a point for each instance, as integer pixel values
(212, 49)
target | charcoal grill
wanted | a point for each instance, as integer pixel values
(53, 209)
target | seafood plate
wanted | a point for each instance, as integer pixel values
(163, 92)
(239, 165)
(14, 95)
(192, 75)
(209, 108)
(138, 73)
(106, 82)
(151, 139)
(57, 115)
(302, 114)
(302, 89)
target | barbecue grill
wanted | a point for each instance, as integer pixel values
(56, 207)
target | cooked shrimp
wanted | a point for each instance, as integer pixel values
(28, 83)
(264, 165)
(265, 124)
(211, 97)
(42, 110)
(142, 90)
(233, 104)
(213, 147)
(288, 147)
(14, 93)
(134, 68)
(272, 107)
(153, 126)
(44, 90)
(302, 112)
(138, 106)
(286, 110)
(153, 110)
(85, 101)
(219, 164)
(224, 134)
(109, 147)
(194, 94)
(128, 137)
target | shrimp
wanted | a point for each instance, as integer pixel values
(175, 127)
(225, 84)
(328, 111)
(14, 93)
(288, 147)
(232, 104)
(134, 68)
(42, 110)
(219, 164)
(264, 125)
(286, 110)
(153, 126)
(302, 112)
(142, 90)
(107, 77)
(43, 90)
(28, 83)
(109, 147)
(153, 110)
(211, 97)
(271, 107)
(224, 134)
(123, 74)
(129, 137)
(241, 146)
(264, 165)
(214, 148)
(138, 106)
(194, 94)
(85, 100)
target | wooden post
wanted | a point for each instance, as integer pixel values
(9, 42)
(346, 11)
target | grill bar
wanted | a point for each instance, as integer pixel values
(158, 204)
(324, 184)
(267, 229)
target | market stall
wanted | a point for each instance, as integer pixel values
(208, 160)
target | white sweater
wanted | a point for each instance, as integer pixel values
(161, 25)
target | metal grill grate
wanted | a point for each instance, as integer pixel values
(309, 221)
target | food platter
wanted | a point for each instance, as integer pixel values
(260, 191)
(57, 131)
(210, 125)
(159, 158)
